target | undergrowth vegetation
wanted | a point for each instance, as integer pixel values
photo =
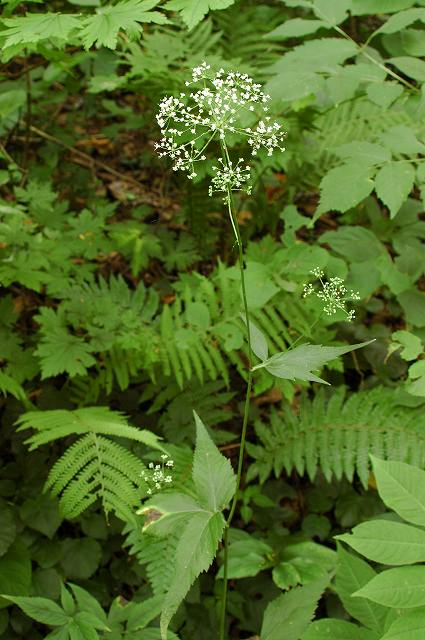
(212, 320)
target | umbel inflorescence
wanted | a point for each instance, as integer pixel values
(191, 121)
(333, 293)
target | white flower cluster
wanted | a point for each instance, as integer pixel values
(230, 177)
(158, 475)
(191, 121)
(333, 293)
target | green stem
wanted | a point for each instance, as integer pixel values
(236, 231)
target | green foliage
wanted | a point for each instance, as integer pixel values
(94, 466)
(120, 289)
(372, 598)
(336, 435)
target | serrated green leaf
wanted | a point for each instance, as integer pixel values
(212, 473)
(411, 344)
(410, 626)
(41, 610)
(292, 611)
(401, 20)
(296, 28)
(387, 542)
(15, 572)
(195, 552)
(193, 11)
(102, 28)
(36, 27)
(402, 488)
(352, 574)
(393, 183)
(400, 588)
(343, 187)
(368, 153)
(298, 363)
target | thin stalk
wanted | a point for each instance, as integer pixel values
(236, 231)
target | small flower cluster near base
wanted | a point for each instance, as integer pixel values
(191, 121)
(230, 176)
(158, 475)
(333, 293)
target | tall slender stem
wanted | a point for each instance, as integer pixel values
(236, 230)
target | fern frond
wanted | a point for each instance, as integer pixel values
(94, 467)
(336, 435)
(156, 554)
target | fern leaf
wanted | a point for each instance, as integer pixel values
(337, 435)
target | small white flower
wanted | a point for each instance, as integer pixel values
(190, 122)
(333, 293)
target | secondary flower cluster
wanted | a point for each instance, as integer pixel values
(191, 121)
(157, 476)
(230, 177)
(333, 293)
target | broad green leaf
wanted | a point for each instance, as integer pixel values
(412, 302)
(399, 21)
(384, 93)
(402, 139)
(198, 314)
(400, 588)
(36, 27)
(296, 28)
(412, 67)
(41, 610)
(212, 473)
(102, 28)
(258, 341)
(393, 183)
(411, 344)
(352, 573)
(247, 558)
(167, 512)
(87, 602)
(298, 363)
(368, 153)
(364, 7)
(343, 187)
(402, 488)
(15, 572)
(193, 11)
(290, 613)
(409, 626)
(61, 352)
(354, 243)
(80, 557)
(387, 542)
(142, 613)
(332, 629)
(417, 375)
(42, 514)
(333, 12)
(195, 552)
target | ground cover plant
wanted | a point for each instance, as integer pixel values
(212, 319)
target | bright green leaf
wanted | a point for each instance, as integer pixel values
(290, 613)
(367, 153)
(212, 472)
(193, 11)
(400, 588)
(412, 67)
(332, 629)
(343, 187)
(296, 28)
(409, 626)
(298, 363)
(195, 552)
(393, 183)
(387, 542)
(41, 610)
(402, 488)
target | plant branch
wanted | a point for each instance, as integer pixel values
(236, 231)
